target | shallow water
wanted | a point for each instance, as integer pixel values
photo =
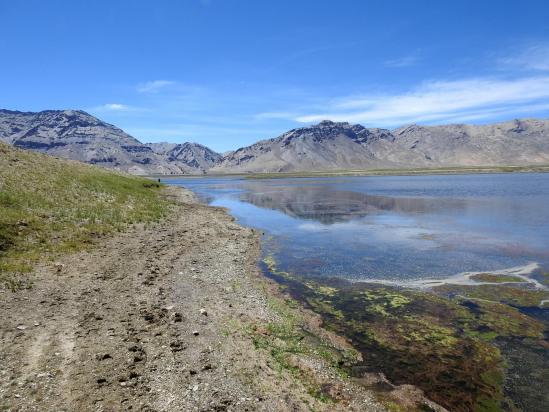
(416, 231)
(391, 228)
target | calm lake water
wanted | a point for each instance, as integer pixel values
(391, 228)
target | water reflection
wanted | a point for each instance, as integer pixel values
(328, 205)
(392, 228)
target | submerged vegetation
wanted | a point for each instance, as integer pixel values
(49, 206)
(448, 344)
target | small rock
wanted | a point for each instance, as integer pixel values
(177, 346)
(203, 312)
(196, 333)
(21, 327)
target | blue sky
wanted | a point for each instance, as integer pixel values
(227, 73)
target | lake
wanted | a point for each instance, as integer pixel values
(393, 229)
(479, 244)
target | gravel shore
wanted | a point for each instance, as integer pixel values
(162, 318)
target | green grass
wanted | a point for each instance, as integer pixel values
(50, 206)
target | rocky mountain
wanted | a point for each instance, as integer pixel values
(77, 135)
(193, 155)
(330, 145)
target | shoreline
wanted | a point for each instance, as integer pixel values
(173, 316)
(458, 170)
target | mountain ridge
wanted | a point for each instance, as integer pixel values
(341, 145)
(328, 145)
(77, 135)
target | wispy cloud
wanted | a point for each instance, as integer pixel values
(532, 57)
(154, 86)
(406, 61)
(440, 101)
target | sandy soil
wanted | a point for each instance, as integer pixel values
(151, 320)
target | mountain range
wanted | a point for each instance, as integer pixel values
(78, 135)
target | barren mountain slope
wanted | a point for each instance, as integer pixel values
(77, 135)
(330, 145)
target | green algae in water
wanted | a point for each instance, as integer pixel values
(446, 347)
(496, 278)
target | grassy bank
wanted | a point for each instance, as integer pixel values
(50, 206)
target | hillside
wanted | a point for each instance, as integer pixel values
(49, 205)
(332, 146)
(76, 135)
(196, 157)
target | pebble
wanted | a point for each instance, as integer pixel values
(21, 327)
(203, 312)
(196, 333)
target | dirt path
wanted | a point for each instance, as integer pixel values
(150, 320)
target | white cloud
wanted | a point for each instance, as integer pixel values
(440, 101)
(154, 86)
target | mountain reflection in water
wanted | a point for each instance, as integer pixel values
(328, 206)
(398, 228)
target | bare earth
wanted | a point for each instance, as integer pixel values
(152, 319)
